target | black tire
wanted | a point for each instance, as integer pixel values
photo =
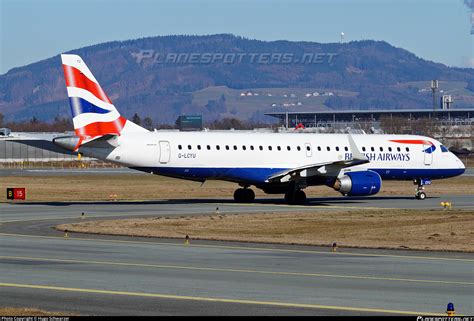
(244, 195)
(239, 195)
(297, 197)
(421, 196)
(249, 195)
(300, 197)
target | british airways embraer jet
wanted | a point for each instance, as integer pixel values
(277, 163)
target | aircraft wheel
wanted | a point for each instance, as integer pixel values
(244, 195)
(297, 197)
(300, 197)
(250, 195)
(420, 195)
(239, 195)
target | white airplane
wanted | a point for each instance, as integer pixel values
(277, 163)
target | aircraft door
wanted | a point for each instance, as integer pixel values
(309, 152)
(428, 156)
(165, 152)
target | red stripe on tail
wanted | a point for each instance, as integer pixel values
(75, 78)
(102, 128)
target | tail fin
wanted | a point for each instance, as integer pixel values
(93, 113)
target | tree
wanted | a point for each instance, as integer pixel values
(136, 119)
(148, 123)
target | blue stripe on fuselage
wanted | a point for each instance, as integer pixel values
(250, 175)
(259, 175)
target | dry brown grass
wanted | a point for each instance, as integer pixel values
(96, 187)
(451, 230)
(25, 312)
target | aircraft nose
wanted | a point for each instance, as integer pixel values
(460, 166)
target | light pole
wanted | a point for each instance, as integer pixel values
(434, 87)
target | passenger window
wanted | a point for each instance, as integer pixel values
(227, 147)
(390, 149)
(381, 149)
(199, 147)
(398, 149)
(337, 148)
(180, 147)
(269, 147)
(278, 147)
(189, 147)
(372, 149)
(308, 148)
(363, 149)
(218, 147)
(346, 148)
(444, 149)
(260, 147)
(251, 147)
(243, 147)
(235, 147)
(407, 149)
(208, 147)
(328, 148)
(288, 148)
(319, 148)
(298, 148)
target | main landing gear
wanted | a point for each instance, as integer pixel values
(244, 195)
(295, 197)
(420, 194)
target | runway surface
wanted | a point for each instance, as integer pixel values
(105, 275)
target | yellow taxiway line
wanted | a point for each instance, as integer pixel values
(196, 268)
(209, 299)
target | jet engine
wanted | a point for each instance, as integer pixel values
(360, 183)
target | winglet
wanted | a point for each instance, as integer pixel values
(356, 154)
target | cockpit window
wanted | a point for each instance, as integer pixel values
(444, 149)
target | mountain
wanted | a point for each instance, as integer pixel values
(247, 78)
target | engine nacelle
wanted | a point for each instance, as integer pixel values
(360, 183)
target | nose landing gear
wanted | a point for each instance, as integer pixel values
(244, 195)
(420, 194)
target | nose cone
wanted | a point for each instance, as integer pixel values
(67, 142)
(460, 165)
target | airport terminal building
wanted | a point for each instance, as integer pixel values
(338, 118)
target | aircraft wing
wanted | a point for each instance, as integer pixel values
(313, 169)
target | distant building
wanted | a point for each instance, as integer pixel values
(446, 102)
(190, 122)
(453, 117)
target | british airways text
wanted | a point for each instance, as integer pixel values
(383, 157)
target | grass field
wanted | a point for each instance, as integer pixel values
(26, 312)
(96, 187)
(446, 230)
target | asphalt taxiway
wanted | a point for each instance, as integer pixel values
(105, 275)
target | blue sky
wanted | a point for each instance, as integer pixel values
(438, 30)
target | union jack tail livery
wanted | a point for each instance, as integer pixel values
(93, 113)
